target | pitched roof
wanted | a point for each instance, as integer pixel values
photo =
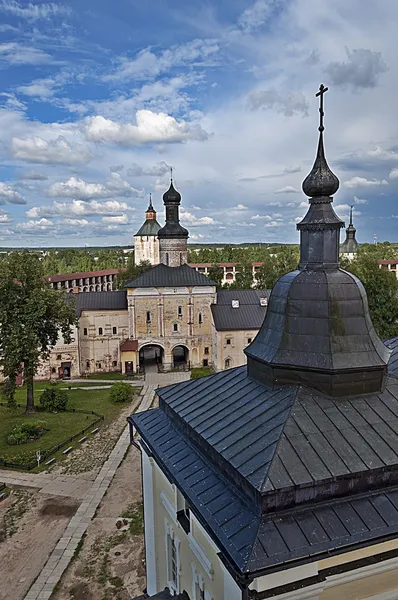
(129, 346)
(164, 276)
(251, 297)
(239, 451)
(249, 315)
(149, 227)
(82, 275)
(100, 301)
(392, 344)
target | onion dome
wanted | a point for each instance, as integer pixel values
(321, 181)
(171, 196)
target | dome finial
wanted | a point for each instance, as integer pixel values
(171, 174)
(321, 182)
(150, 207)
(351, 207)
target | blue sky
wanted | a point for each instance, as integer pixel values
(98, 99)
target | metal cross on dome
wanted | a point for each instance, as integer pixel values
(322, 91)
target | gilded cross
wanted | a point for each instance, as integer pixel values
(322, 90)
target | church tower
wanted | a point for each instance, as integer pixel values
(146, 243)
(173, 238)
(349, 247)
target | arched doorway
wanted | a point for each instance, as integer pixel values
(180, 357)
(151, 357)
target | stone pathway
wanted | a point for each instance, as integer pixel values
(69, 486)
(161, 379)
(62, 554)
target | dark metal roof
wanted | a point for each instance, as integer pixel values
(392, 344)
(164, 276)
(241, 453)
(149, 227)
(244, 296)
(318, 438)
(350, 244)
(100, 301)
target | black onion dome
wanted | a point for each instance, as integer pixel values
(171, 196)
(321, 181)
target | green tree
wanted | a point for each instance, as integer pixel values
(244, 277)
(216, 274)
(32, 316)
(131, 272)
(382, 288)
(275, 265)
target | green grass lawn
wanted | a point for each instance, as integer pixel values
(199, 372)
(61, 425)
(112, 376)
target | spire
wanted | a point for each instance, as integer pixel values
(351, 207)
(150, 211)
(319, 237)
(150, 207)
(350, 244)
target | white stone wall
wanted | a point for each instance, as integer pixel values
(146, 248)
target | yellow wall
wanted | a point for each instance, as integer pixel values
(129, 357)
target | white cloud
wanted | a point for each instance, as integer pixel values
(41, 88)
(120, 219)
(158, 170)
(35, 226)
(382, 154)
(357, 182)
(239, 207)
(288, 189)
(264, 217)
(393, 174)
(34, 12)
(78, 188)
(191, 220)
(151, 128)
(8, 194)
(4, 218)
(79, 208)
(273, 224)
(244, 224)
(58, 150)
(288, 103)
(147, 64)
(17, 54)
(361, 70)
(360, 200)
(257, 14)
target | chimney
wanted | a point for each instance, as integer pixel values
(263, 301)
(235, 303)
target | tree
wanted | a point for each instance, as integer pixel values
(32, 316)
(244, 277)
(216, 274)
(131, 272)
(381, 288)
(275, 265)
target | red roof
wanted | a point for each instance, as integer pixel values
(390, 261)
(70, 276)
(129, 346)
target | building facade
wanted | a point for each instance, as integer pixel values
(146, 242)
(90, 281)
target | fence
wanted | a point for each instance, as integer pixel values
(31, 465)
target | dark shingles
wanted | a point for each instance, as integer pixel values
(247, 316)
(149, 227)
(100, 301)
(163, 276)
(392, 344)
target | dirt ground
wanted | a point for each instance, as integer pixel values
(30, 526)
(111, 564)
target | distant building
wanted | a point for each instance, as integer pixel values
(349, 247)
(90, 281)
(389, 265)
(236, 318)
(146, 243)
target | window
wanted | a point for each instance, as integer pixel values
(167, 258)
(148, 316)
(53, 370)
(59, 357)
(206, 350)
(172, 546)
(100, 331)
(200, 319)
(99, 365)
(114, 364)
(205, 362)
(180, 311)
(228, 341)
(249, 340)
(183, 514)
(85, 331)
(227, 363)
(87, 364)
(114, 330)
(175, 326)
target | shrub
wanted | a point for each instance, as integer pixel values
(199, 372)
(8, 391)
(26, 432)
(121, 392)
(54, 398)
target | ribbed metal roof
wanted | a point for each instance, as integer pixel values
(164, 276)
(100, 301)
(392, 344)
(149, 227)
(251, 297)
(247, 316)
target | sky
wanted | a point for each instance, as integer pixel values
(99, 98)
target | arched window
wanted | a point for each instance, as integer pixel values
(87, 364)
(227, 363)
(100, 331)
(200, 318)
(175, 326)
(167, 258)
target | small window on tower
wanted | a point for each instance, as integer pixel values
(148, 316)
(175, 326)
(85, 331)
(87, 364)
(205, 362)
(206, 350)
(114, 330)
(180, 311)
(200, 318)
(100, 331)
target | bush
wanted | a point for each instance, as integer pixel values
(54, 398)
(199, 372)
(121, 392)
(26, 432)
